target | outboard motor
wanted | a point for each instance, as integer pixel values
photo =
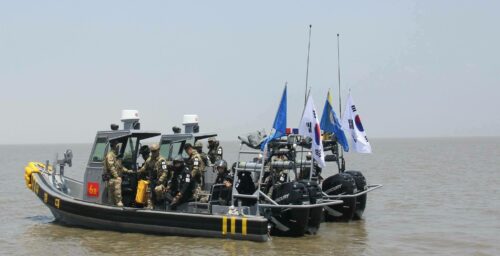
(315, 214)
(340, 184)
(290, 222)
(360, 200)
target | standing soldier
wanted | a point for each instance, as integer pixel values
(214, 150)
(155, 169)
(113, 171)
(198, 146)
(195, 165)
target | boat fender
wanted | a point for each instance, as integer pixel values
(30, 169)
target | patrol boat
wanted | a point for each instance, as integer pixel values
(85, 203)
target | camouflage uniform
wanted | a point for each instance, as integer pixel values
(113, 169)
(204, 157)
(199, 147)
(155, 169)
(214, 150)
(196, 166)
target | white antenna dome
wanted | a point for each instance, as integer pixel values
(129, 114)
(190, 123)
(190, 119)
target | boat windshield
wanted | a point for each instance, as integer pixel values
(99, 150)
(129, 154)
(171, 149)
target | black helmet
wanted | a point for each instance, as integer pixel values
(144, 151)
(221, 163)
(178, 162)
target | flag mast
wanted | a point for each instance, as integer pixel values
(338, 71)
(307, 67)
(341, 149)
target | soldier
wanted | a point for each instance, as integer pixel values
(144, 152)
(199, 147)
(225, 195)
(195, 165)
(221, 166)
(113, 171)
(181, 185)
(155, 169)
(214, 150)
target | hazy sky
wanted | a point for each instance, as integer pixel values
(415, 68)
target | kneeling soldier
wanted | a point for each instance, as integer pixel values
(180, 187)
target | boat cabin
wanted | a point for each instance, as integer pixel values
(129, 139)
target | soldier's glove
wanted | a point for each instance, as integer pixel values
(176, 199)
(174, 202)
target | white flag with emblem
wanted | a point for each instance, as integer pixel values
(309, 127)
(351, 122)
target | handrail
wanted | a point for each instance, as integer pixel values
(303, 206)
(370, 188)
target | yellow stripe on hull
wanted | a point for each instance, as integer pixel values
(224, 225)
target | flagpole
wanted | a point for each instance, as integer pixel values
(338, 71)
(341, 149)
(307, 67)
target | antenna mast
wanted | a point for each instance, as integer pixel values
(338, 70)
(340, 160)
(307, 68)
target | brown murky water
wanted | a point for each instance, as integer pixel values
(440, 196)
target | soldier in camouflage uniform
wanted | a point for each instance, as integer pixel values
(195, 165)
(198, 146)
(214, 150)
(113, 171)
(155, 169)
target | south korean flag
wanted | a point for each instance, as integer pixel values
(351, 122)
(309, 127)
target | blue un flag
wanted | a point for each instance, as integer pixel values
(279, 125)
(330, 123)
